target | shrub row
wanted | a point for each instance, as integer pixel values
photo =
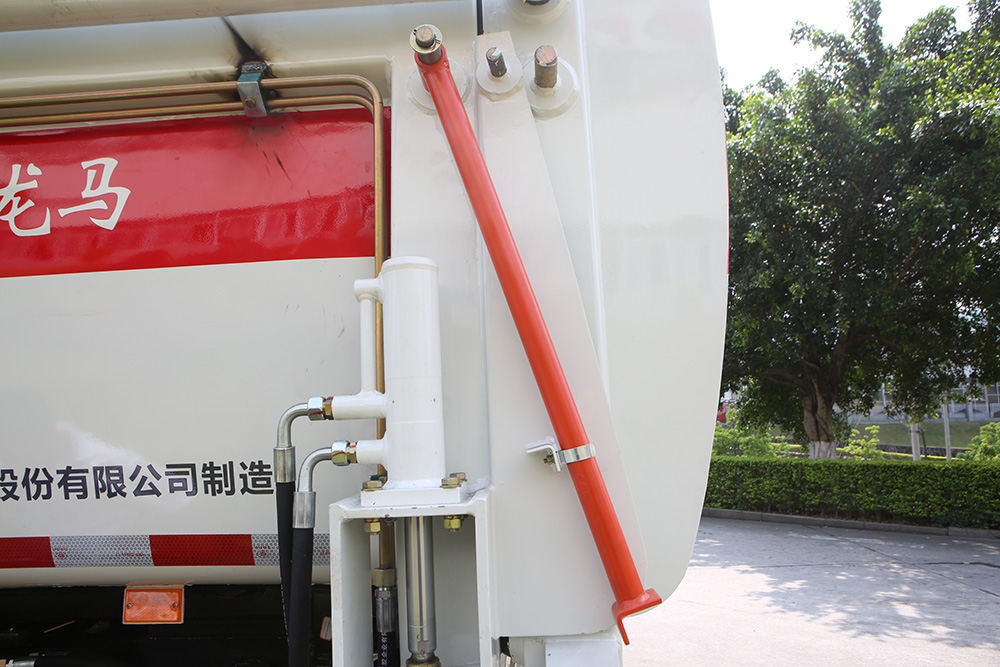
(963, 494)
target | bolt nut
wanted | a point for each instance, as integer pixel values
(315, 405)
(383, 577)
(373, 526)
(253, 67)
(371, 485)
(450, 483)
(453, 522)
(340, 458)
(460, 476)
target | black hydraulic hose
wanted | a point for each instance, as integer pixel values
(285, 493)
(300, 597)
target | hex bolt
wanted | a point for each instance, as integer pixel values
(453, 522)
(546, 67)
(450, 483)
(250, 102)
(373, 526)
(460, 476)
(371, 485)
(494, 58)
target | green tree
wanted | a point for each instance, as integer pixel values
(864, 446)
(986, 445)
(865, 216)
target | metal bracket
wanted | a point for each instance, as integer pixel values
(248, 86)
(560, 457)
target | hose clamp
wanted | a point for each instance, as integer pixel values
(560, 458)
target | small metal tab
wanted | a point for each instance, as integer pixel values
(248, 86)
(560, 457)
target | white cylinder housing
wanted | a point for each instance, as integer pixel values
(414, 444)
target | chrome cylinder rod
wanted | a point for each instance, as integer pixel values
(422, 630)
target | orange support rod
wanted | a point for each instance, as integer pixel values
(629, 594)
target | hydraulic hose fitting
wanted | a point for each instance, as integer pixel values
(319, 408)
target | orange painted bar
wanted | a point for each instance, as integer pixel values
(619, 565)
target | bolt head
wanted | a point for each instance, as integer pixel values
(373, 526)
(453, 523)
(371, 485)
(450, 483)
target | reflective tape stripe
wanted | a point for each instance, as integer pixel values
(25, 552)
(149, 551)
(104, 551)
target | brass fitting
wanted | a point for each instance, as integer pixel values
(453, 522)
(345, 456)
(453, 480)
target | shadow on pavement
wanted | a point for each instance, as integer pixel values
(882, 586)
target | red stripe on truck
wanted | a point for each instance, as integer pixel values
(18, 552)
(168, 550)
(190, 192)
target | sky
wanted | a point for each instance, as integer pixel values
(752, 36)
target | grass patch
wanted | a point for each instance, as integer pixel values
(962, 433)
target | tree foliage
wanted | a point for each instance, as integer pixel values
(865, 216)
(986, 445)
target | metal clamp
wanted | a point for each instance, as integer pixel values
(248, 86)
(560, 457)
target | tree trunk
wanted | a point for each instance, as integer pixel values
(818, 421)
(822, 450)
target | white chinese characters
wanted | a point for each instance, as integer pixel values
(14, 202)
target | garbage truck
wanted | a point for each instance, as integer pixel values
(354, 332)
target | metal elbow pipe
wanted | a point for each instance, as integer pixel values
(341, 453)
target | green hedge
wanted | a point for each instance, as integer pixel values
(962, 493)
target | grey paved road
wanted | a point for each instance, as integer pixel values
(782, 594)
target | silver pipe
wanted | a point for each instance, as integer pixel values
(422, 634)
(284, 454)
(285, 423)
(304, 505)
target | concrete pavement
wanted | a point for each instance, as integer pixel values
(782, 594)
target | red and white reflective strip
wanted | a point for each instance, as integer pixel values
(149, 551)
